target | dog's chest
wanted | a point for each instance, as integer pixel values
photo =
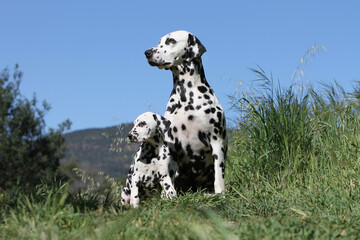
(191, 112)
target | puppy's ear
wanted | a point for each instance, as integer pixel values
(194, 49)
(155, 117)
(166, 124)
(163, 125)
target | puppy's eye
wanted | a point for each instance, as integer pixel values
(170, 40)
(142, 124)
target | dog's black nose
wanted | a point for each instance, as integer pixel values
(130, 136)
(149, 53)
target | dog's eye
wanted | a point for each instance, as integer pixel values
(170, 40)
(142, 124)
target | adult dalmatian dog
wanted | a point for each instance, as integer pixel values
(153, 167)
(198, 130)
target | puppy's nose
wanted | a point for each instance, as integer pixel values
(149, 53)
(130, 136)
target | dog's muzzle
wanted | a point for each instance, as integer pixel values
(132, 138)
(149, 56)
(149, 53)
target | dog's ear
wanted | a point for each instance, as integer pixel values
(166, 124)
(163, 125)
(194, 49)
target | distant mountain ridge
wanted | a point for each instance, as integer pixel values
(90, 148)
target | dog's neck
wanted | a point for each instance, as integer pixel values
(152, 149)
(151, 146)
(156, 140)
(189, 74)
(189, 79)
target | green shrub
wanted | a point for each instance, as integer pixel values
(29, 155)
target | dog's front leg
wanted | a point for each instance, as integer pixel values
(134, 195)
(168, 189)
(218, 154)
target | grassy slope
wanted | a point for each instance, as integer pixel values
(321, 213)
(292, 173)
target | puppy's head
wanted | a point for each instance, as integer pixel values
(144, 128)
(175, 48)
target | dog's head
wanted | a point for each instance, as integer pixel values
(148, 127)
(175, 48)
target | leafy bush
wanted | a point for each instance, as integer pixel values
(28, 154)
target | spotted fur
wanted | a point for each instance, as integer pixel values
(153, 167)
(197, 134)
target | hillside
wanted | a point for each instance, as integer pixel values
(95, 149)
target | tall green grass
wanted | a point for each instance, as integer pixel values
(294, 136)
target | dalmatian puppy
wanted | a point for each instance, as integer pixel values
(197, 134)
(153, 166)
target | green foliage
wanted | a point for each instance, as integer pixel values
(286, 135)
(356, 96)
(27, 153)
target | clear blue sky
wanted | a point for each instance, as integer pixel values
(86, 58)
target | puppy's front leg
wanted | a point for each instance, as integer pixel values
(134, 195)
(168, 189)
